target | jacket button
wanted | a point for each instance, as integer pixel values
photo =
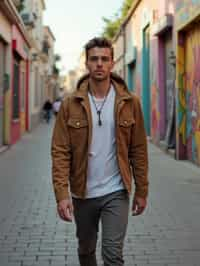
(78, 123)
(125, 122)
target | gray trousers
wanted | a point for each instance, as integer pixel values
(112, 210)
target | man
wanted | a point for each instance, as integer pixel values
(47, 108)
(98, 141)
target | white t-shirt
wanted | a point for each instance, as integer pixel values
(103, 175)
(56, 106)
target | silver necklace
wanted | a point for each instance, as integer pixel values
(101, 107)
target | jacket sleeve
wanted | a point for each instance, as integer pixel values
(61, 155)
(138, 154)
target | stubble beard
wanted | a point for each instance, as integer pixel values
(100, 78)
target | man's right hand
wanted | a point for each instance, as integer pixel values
(65, 210)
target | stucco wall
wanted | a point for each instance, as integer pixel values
(5, 32)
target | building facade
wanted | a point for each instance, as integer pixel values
(5, 73)
(48, 48)
(26, 63)
(14, 72)
(149, 50)
(161, 65)
(32, 15)
(20, 85)
(118, 45)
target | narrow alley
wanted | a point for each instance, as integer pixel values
(32, 234)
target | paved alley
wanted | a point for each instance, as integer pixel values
(31, 234)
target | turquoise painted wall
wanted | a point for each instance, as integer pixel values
(146, 79)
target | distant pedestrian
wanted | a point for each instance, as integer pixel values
(47, 108)
(98, 141)
(56, 106)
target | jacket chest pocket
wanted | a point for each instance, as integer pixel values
(126, 130)
(78, 131)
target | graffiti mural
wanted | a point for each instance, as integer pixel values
(181, 100)
(188, 103)
(189, 93)
(193, 92)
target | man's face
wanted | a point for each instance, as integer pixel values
(99, 63)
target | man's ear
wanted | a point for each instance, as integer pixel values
(113, 64)
(86, 64)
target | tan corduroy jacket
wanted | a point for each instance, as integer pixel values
(72, 137)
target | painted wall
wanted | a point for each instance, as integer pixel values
(36, 88)
(144, 18)
(188, 80)
(5, 32)
(49, 88)
(118, 46)
(5, 28)
(162, 50)
(20, 47)
(145, 15)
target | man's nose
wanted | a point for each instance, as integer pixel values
(99, 62)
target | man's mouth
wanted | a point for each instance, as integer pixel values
(99, 71)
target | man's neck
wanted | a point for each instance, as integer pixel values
(99, 88)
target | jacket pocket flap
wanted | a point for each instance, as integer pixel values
(77, 123)
(126, 122)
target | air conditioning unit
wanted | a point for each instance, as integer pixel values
(28, 19)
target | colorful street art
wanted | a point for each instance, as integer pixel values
(188, 79)
(193, 92)
(181, 93)
(189, 93)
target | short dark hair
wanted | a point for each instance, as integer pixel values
(99, 42)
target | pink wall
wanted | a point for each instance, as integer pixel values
(18, 46)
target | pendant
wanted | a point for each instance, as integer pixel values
(99, 114)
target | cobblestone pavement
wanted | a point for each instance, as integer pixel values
(32, 234)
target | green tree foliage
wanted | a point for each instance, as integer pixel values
(112, 25)
(125, 7)
(20, 7)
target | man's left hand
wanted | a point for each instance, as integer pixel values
(139, 205)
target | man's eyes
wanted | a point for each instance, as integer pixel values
(103, 58)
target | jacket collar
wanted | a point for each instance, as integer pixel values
(122, 92)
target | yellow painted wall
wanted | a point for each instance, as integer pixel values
(22, 122)
(7, 116)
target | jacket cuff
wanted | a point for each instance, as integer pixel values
(61, 195)
(141, 193)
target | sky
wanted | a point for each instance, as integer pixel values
(74, 22)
